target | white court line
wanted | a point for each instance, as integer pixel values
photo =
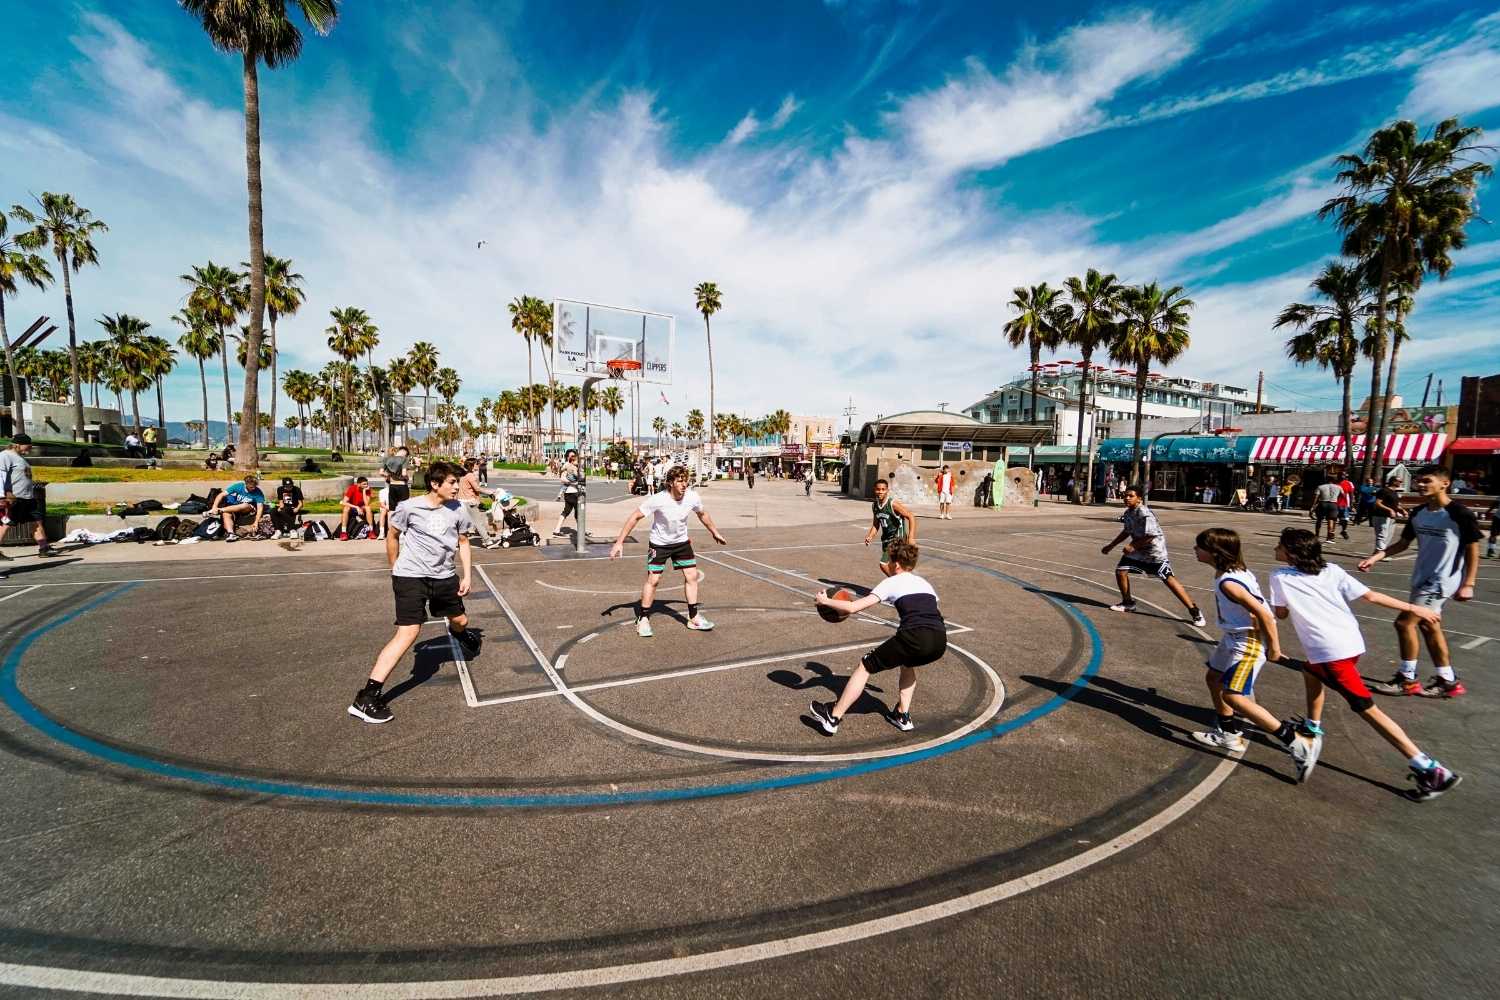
(554, 675)
(1475, 643)
(616, 593)
(18, 593)
(673, 674)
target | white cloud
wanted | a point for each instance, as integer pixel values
(1052, 92)
(747, 127)
(1461, 80)
(789, 106)
(751, 126)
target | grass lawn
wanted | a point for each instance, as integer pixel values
(95, 475)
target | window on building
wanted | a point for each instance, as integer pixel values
(929, 454)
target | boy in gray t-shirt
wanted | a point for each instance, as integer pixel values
(429, 557)
(1447, 536)
(1145, 553)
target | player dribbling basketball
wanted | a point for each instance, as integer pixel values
(669, 511)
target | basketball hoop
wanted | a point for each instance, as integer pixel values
(619, 366)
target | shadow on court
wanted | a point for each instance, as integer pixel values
(429, 658)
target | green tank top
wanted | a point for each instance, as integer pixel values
(892, 525)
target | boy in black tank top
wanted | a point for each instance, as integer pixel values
(921, 638)
(892, 521)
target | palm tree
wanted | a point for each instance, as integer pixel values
(127, 338)
(70, 229)
(160, 359)
(1405, 204)
(91, 363)
(1327, 332)
(345, 339)
(18, 263)
(201, 342)
(659, 425)
(301, 388)
(218, 296)
(695, 424)
(422, 359)
(1153, 330)
(367, 336)
(448, 384)
(612, 400)
(398, 374)
(708, 300)
(284, 296)
(1088, 325)
(259, 31)
(1035, 325)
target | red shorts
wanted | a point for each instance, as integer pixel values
(1343, 676)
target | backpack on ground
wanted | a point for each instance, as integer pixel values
(320, 531)
(209, 529)
(193, 505)
(166, 529)
(265, 530)
(212, 496)
(141, 534)
(308, 533)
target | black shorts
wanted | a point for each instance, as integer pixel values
(570, 505)
(909, 647)
(23, 511)
(1132, 563)
(397, 493)
(1326, 511)
(417, 595)
(679, 555)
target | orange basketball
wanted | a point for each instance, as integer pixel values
(832, 614)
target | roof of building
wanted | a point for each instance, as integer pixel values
(940, 425)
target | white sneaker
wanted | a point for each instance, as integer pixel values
(643, 628)
(700, 624)
(1123, 606)
(1220, 740)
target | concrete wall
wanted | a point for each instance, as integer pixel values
(168, 492)
(918, 484)
(56, 420)
(1020, 486)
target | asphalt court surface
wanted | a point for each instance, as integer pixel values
(584, 812)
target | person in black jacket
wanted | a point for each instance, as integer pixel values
(288, 510)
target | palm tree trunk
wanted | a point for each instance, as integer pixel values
(228, 406)
(249, 449)
(203, 382)
(1375, 362)
(161, 415)
(1142, 369)
(62, 258)
(1344, 409)
(18, 419)
(135, 409)
(1083, 395)
(275, 386)
(708, 335)
(1036, 359)
(1385, 402)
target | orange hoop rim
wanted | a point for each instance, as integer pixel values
(620, 366)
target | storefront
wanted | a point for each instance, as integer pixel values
(1306, 460)
(1197, 468)
(1476, 464)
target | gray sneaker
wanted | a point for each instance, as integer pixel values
(700, 624)
(1220, 740)
(1305, 751)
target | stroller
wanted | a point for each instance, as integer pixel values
(513, 527)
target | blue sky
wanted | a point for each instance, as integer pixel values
(866, 181)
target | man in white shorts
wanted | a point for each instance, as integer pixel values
(669, 511)
(945, 494)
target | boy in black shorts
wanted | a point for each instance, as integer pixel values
(1145, 553)
(669, 512)
(425, 536)
(921, 638)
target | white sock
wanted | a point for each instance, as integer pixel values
(1446, 673)
(1420, 762)
(1409, 669)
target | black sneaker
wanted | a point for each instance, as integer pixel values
(1432, 782)
(822, 713)
(370, 707)
(469, 640)
(901, 720)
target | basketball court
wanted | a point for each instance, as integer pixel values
(579, 811)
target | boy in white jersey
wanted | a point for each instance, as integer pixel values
(1249, 639)
(1316, 595)
(920, 639)
(1145, 553)
(1447, 536)
(669, 511)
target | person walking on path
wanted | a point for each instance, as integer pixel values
(1385, 511)
(425, 542)
(1326, 506)
(669, 512)
(1145, 553)
(397, 477)
(945, 494)
(572, 485)
(469, 491)
(1315, 595)
(20, 493)
(1346, 503)
(1447, 564)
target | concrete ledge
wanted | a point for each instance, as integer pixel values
(170, 492)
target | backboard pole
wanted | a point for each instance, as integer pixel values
(581, 543)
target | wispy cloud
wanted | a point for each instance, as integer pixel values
(1461, 80)
(751, 125)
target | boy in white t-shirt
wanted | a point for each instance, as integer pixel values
(921, 638)
(1315, 595)
(669, 511)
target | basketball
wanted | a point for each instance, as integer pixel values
(838, 594)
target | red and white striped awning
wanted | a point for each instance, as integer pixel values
(1315, 448)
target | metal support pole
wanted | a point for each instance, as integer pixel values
(581, 543)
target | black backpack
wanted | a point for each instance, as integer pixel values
(209, 529)
(166, 529)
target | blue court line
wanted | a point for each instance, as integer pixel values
(18, 703)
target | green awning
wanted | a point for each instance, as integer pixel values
(1209, 448)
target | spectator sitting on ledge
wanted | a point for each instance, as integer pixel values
(239, 498)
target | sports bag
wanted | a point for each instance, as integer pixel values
(209, 529)
(192, 506)
(166, 529)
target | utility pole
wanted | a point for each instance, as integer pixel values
(1439, 401)
(1427, 388)
(849, 412)
(1260, 389)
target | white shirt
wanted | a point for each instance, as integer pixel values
(669, 518)
(1232, 614)
(1319, 607)
(945, 482)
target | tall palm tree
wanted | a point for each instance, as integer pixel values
(345, 339)
(398, 374)
(1405, 203)
(709, 301)
(284, 296)
(613, 401)
(659, 425)
(1153, 330)
(301, 388)
(18, 263)
(422, 359)
(91, 363)
(1035, 325)
(127, 337)
(70, 229)
(1089, 324)
(217, 294)
(201, 342)
(695, 424)
(367, 336)
(448, 384)
(520, 322)
(259, 31)
(160, 359)
(1327, 332)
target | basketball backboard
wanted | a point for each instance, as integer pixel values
(412, 408)
(587, 336)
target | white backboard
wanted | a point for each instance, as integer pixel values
(586, 336)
